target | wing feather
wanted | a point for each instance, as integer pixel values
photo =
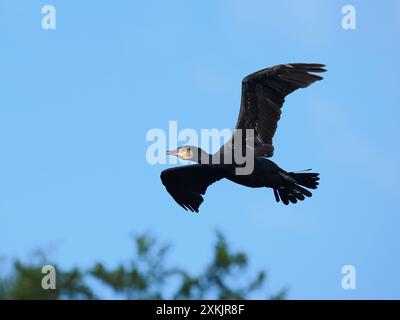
(187, 184)
(263, 95)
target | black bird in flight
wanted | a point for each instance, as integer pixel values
(263, 95)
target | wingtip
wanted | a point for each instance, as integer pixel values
(311, 67)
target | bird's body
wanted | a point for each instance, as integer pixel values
(263, 94)
(264, 174)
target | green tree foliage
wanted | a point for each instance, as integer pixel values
(25, 283)
(219, 279)
(146, 276)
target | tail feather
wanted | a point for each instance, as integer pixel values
(284, 196)
(308, 180)
(276, 195)
(293, 187)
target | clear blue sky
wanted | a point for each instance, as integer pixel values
(76, 104)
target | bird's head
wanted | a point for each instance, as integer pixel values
(190, 153)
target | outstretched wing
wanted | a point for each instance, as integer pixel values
(263, 94)
(187, 184)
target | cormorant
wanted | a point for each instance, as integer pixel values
(263, 94)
